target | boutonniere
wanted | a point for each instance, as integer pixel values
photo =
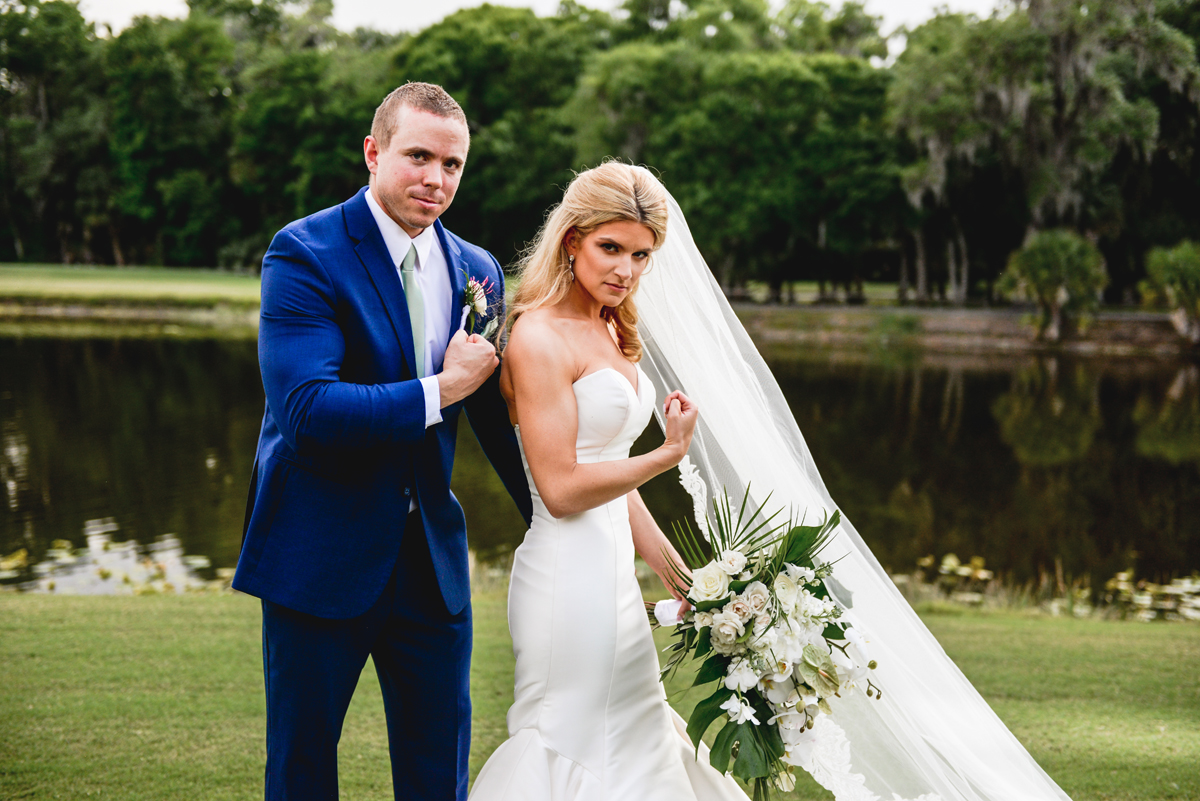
(476, 304)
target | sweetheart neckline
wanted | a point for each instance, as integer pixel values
(637, 391)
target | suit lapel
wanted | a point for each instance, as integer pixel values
(373, 254)
(456, 266)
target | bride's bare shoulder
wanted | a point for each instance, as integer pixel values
(539, 342)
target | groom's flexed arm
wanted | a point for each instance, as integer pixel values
(301, 349)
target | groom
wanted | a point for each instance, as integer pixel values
(353, 540)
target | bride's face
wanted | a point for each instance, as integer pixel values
(610, 260)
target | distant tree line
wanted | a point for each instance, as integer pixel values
(797, 150)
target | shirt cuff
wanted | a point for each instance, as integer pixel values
(433, 400)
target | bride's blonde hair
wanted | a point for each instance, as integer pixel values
(609, 193)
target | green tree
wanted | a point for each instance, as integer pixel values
(54, 161)
(169, 95)
(1062, 273)
(1176, 272)
(305, 100)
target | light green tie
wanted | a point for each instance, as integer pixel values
(416, 307)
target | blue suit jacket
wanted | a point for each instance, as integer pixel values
(343, 447)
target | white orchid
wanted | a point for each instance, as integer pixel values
(801, 575)
(739, 710)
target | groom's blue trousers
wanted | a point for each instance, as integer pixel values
(422, 656)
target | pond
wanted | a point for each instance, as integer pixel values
(140, 449)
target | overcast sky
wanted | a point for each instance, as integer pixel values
(413, 15)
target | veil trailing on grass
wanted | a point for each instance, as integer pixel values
(931, 736)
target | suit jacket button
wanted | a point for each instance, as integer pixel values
(407, 492)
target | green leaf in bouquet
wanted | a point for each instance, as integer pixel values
(689, 544)
(711, 669)
(769, 737)
(834, 631)
(705, 606)
(722, 747)
(680, 582)
(824, 706)
(706, 712)
(704, 641)
(817, 669)
(738, 586)
(751, 759)
(803, 543)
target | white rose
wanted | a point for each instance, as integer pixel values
(764, 638)
(703, 620)
(740, 607)
(726, 628)
(480, 303)
(732, 562)
(741, 676)
(757, 595)
(785, 592)
(709, 583)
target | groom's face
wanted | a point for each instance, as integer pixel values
(416, 177)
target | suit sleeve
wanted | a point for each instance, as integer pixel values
(488, 414)
(300, 351)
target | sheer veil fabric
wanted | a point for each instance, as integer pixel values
(932, 736)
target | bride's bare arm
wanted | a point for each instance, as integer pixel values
(653, 546)
(542, 370)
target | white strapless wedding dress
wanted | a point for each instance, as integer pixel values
(590, 720)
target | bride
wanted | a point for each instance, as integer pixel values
(582, 371)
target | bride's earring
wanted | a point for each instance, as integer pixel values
(571, 266)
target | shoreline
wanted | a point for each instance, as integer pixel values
(1004, 334)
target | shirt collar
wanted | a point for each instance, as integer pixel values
(396, 239)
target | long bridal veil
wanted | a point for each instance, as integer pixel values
(931, 736)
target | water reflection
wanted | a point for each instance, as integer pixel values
(1020, 462)
(1169, 427)
(1046, 421)
(105, 567)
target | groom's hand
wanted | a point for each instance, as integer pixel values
(469, 361)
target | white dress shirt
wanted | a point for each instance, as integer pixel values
(433, 274)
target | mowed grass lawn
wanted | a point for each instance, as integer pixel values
(204, 286)
(161, 698)
(180, 286)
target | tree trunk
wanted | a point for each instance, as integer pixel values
(952, 270)
(118, 254)
(902, 289)
(776, 291)
(1053, 330)
(964, 264)
(922, 272)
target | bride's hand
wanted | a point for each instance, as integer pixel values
(681, 415)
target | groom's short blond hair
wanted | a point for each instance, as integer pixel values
(421, 96)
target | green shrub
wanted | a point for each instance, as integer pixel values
(1060, 271)
(1175, 272)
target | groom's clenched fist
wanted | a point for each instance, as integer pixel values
(469, 361)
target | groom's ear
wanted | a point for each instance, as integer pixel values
(371, 153)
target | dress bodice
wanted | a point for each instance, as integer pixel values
(612, 414)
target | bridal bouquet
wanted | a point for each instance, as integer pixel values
(764, 628)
